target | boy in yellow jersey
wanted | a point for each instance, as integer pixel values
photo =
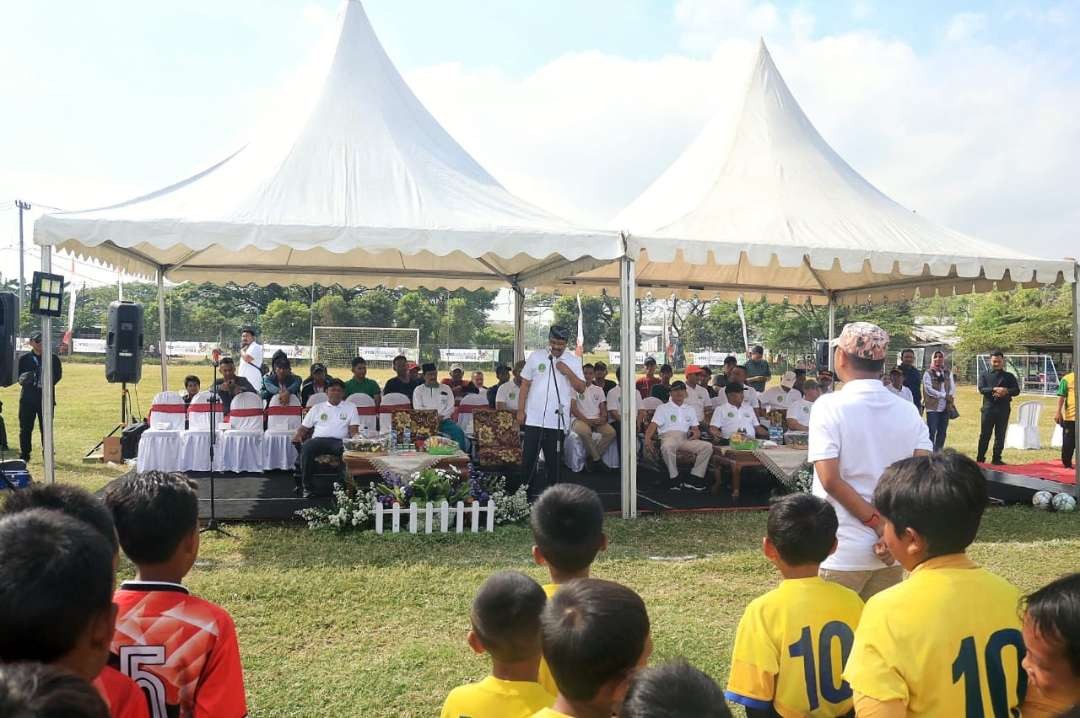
(1052, 638)
(792, 642)
(568, 531)
(505, 624)
(945, 642)
(595, 636)
(673, 690)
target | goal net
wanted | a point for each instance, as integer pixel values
(336, 346)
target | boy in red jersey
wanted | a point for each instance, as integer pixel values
(180, 649)
(122, 697)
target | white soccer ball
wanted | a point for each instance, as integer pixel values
(1064, 502)
(1042, 500)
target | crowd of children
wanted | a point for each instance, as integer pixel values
(951, 640)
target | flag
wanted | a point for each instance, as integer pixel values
(580, 348)
(65, 343)
(742, 318)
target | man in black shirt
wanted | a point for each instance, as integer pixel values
(230, 384)
(912, 377)
(402, 383)
(997, 387)
(502, 374)
(600, 370)
(30, 398)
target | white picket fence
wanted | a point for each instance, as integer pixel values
(442, 513)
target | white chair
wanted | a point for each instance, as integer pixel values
(316, 398)
(469, 404)
(365, 407)
(574, 453)
(278, 451)
(240, 447)
(195, 440)
(390, 403)
(1025, 433)
(159, 446)
(650, 403)
(1056, 439)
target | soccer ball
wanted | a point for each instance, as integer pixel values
(1064, 502)
(1042, 500)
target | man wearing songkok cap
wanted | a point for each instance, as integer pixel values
(432, 395)
(854, 435)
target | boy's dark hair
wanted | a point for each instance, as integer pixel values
(909, 350)
(758, 349)
(864, 365)
(70, 500)
(280, 358)
(357, 361)
(335, 382)
(154, 511)
(650, 360)
(506, 616)
(594, 631)
(678, 386)
(666, 367)
(674, 690)
(600, 364)
(941, 496)
(997, 353)
(56, 575)
(730, 360)
(191, 378)
(567, 523)
(33, 690)
(802, 528)
(734, 388)
(226, 360)
(249, 330)
(588, 366)
(896, 370)
(1054, 611)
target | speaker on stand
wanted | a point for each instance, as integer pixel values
(123, 356)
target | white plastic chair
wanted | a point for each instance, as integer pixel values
(278, 451)
(469, 404)
(1056, 439)
(574, 452)
(240, 447)
(316, 398)
(390, 403)
(365, 407)
(159, 446)
(1025, 433)
(651, 403)
(195, 440)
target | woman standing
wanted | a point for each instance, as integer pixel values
(939, 389)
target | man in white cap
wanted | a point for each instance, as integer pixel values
(855, 434)
(783, 396)
(456, 382)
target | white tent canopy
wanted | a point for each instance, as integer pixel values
(761, 204)
(367, 189)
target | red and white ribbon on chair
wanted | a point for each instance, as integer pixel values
(285, 410)
(167, 409)
(241, 413)
(367, 410)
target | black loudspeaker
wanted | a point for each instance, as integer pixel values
(821, 350)
(124, 343)
(9, 322)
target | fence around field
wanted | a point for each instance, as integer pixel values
(441, 514)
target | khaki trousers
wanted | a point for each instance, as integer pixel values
(674, 442)
(865, 583)
(595, 449)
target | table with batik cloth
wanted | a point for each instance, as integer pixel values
(782, 462)
(402, 465)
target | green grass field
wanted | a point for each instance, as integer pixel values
(375, 625)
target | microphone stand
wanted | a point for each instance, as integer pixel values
(560, 438)
(212, 525)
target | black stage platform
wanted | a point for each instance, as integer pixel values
(271, 496)
(1012, 488)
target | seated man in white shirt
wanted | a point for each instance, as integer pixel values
(894, 382)
(323, 430)
(676, 421)
(750, 395)
(736, 416)
(783, 396)
(798, 414)
(697, 395)
(440, 397)
(589, 409)
(507, 396)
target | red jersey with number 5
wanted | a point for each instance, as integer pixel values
(180, 650)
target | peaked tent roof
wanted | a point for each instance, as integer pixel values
(759, 202)
(370, 190)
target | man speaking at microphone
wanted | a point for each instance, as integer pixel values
(548, 381)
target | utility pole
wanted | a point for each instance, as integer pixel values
(23, 207)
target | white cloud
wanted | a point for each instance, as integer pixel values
(964, 26)
(861, 9)
(705, 22)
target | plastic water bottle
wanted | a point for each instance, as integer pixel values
(776, 433)
(407, 439)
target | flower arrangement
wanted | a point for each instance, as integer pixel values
(350, 511)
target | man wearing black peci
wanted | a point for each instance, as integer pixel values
(401, 382)
(997, 387)
(30, 398)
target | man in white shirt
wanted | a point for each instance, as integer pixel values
(798, 414)
(751, 397)
(894, 382)
(323, 430)
(735, 416)
(431, 395)
(855, 434)
(676, 421)
(549, 379)
(251, 358)
(697, 395)
(783, 396)
(589, 409)
(507, 395)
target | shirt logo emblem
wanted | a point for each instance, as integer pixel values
(541, 367)
(323, 417)
(780, 399)
(673, 417)
(731, 415)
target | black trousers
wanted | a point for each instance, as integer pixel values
(550, 440)
(312, 449)
(28, 413)
(996, 422)
(1068, 443)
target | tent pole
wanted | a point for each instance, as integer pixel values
(47, 389)
(162, 345)
(832, 328)
(519, 322)
(1076, 372)
(627, 369)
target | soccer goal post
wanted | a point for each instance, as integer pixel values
(336, 346)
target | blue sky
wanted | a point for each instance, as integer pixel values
(962, 110)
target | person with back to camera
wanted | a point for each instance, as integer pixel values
(673, 690)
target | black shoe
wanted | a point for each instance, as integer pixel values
(997, 462)
(687, 486)
(980, 460)
(305, 494)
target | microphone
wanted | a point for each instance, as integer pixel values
(216, 357)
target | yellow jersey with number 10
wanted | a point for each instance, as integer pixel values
(790, 649)
(945, 642)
